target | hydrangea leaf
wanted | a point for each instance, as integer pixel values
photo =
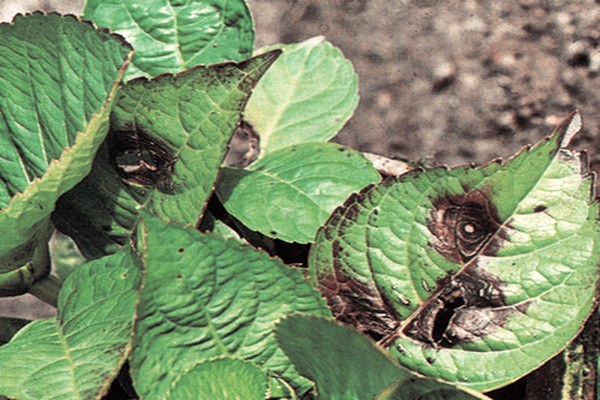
(308, 95)
(221, 379)
(473, 275)
(176, 128)
(77, 354)
(307, 181)
(172, 36)
(205, 296)
(58, 83)
(346, 365)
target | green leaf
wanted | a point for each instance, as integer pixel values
(66, 257)
(473, 275)
(172, 36)
(345, 365)
(204, 297)
(187, 120)
(306, 181)
(308, 96)
(58, 80)
(221, 379)
(77, 354)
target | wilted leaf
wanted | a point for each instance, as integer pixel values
(58, 79)
(168, 137)
(306, 181)
(77, 354)
(172, 36)
(308, 95)
(205, 296)
(473, 275)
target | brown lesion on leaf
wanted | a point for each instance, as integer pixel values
(462, 225)
(357, 304)
(470, 304)
(464, 308)
(141, 159)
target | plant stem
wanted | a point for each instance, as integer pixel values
(47, 289)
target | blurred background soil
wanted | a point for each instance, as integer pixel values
(451, 82)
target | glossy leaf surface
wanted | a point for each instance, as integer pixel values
(473, 275)
(183, 123)
(172, 36)
(308, 96)
(77, 354)
(205, 296)
(301, 185)
(58, 80)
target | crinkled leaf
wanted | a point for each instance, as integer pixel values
(221, 379)
(187, 120)
(473, 275)
(205, 296)
(306, 181)
(346, 365)
(308, 95)
(58, 80)
(172, 36)
(77, 354)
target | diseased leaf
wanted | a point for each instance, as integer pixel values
(306, 181)
(168, 137)
(77, 354)
(172, 36)
(308, 96)
(473, 275)
(346, 365)
(221, 379)
(205, 296)
(58, 83)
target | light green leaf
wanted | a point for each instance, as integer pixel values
(58, 80)
(66, 257)
(190, 117)
(473, 275)
(347, 366)
(77, 354)
(221, 379)
(204, 297)
(306, 181)
(308, 96)
(172, 36)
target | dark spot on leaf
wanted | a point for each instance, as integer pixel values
(540, 208)
(273, 233)
(357, 304)
(141, 159)
(464, 308)
(430, 360)
(181, 250)
(463, 225)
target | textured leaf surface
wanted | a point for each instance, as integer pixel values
(308, 96)
(66, 257)
(474, 275)
(204, 297)
(172, 36)
(345, 365)
(190, 116)
(57, 83)
(221, 379)
(301, 185)
(77, 354)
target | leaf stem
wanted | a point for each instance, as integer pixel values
(47, 289)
